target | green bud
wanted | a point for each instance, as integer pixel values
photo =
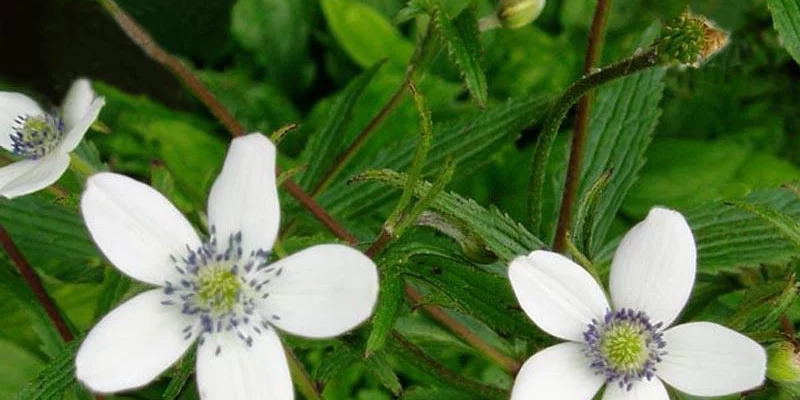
(783, 363)
(689, 40)
(514, 14)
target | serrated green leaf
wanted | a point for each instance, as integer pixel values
(762, 305)
(623, 117)
(57, 377)
(729, 238)
(587, 210)
(325, 144)
(20, 367)
(786, 18)
(787, 225)
(706, 171)
(468, 141)
(387, 309)
(365, 34)
(52, 238)
(502, 235)
(462, 38)
(114, 288)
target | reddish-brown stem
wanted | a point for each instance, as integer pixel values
(345, 156)
(158, 54)
(33, 282)
(579, 128)
(145, 42)
(508, 363)
(788, 330)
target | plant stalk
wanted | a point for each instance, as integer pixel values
(580, 127)
(638, 62)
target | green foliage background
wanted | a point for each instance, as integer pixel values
(693, 140)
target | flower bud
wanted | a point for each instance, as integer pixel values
(689, 40)
(783, 363)
(514, 14)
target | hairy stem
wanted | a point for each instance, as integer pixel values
(445, 374)
(33, 282)
(580, 127)
(558, 111)
(507, 363)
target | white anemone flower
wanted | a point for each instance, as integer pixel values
(222, 292)
(43, 140)
(630, 348)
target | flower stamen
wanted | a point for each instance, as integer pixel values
(36, 135)
(625, 347)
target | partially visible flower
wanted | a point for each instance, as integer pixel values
(222, 292)
(514, 14)
(629, 348)
(43, 139)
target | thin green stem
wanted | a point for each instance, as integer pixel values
(444, 374)
(556, 114)
(580, 127)
(581, 259)
(300, 377)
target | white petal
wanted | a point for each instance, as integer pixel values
(76, 132)
(244, 197)
(644, 390)
(706, 359)
(322, 291)
(654, 267)
(136, 227)
(133, 344)
(558, 295)
(13, 105)
(239, 372)
(557, 372)
(28, 176)
(77, 102)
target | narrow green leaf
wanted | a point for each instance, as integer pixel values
(730, 238)
(364, 34)
(502, 235)
(462, 38)
(787, 225)
(390, 301)
(624, 115)
(786, 18)
(420, 153)
(114, 288)
(324, 145)
(58, 377)
(184, 372)
(587, 210)
(469, 141)
(52, 238)
(437, 187)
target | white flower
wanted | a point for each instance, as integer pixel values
(628, 348)
(222, 292)
(44, 140)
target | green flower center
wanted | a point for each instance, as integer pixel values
(36, 136)
(624, 347)
(218, 288)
